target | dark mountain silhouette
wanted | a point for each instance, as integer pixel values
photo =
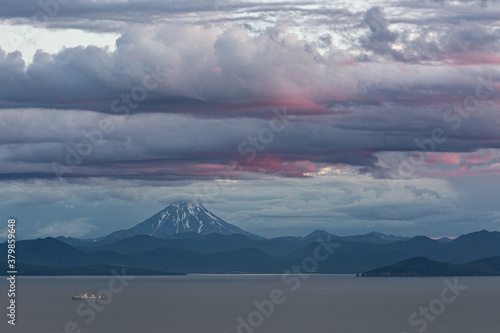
(35, 270)
(422, 266)
(217, 253)
(372, 237)
(49, 252)
(468, 247)
(207, 244)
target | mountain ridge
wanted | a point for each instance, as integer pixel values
(183, 217)
(425, 267)
(216, 253)
(178, 218)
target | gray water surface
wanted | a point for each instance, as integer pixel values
(213, 304)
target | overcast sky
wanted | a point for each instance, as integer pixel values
(281, 117)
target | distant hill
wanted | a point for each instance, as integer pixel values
(445, 239)
(50, 252)
(98, 270)
(422, 266)
(468, 247)
(75, 242)
(372, 237)
(376, 237)
(415, 246)
(238, 253)
(206, 244)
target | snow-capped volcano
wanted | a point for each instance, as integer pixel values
(182, 217)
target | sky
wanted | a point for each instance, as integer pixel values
(281, 117)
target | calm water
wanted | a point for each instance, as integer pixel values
(212, 304)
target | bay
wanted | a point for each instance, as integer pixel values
(244, 304)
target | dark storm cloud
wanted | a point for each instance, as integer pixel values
(421, 192)
(381, 38)
(133, 11)
(443, 33)
(69, 144)
(222, 72)
(185, 100)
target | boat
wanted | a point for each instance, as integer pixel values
(86, 296)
